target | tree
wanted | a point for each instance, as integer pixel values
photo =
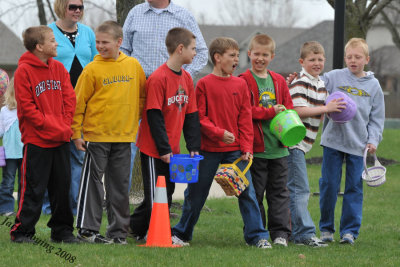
(123, 8)
(391, 18)
(360, 14)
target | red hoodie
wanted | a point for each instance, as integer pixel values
(45, 101)
(261, 113)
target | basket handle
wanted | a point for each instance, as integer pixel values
(248, 165)
(377, 163)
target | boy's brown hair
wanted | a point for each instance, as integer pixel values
(34, 35)
(311, 47)
(263, 39)
(220, 45)
(61, 6)
(354, 42)
(177, 36)
(111, 27)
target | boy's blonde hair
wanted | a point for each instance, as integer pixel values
(9, 96)
(177, 36)
(311, 47)
(355, 42)
(34, 35)
(263, 39)
(110, 27)
(220, 45)
(61, 6)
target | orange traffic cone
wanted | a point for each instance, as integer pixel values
(159, 234)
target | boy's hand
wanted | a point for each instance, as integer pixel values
(228, 138)
(336, 105)
(279, 108)
(80, 144)
(291, 77)
(192, 153)
(246, 156)
(166, 158)
(371, 148)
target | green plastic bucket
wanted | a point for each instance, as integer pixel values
(288, 127)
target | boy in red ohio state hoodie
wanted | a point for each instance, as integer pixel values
(45, 108)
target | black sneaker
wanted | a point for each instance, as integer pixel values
(22, 239)
(120, 241)
(70, 239)
(92, 237)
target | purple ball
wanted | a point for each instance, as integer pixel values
(348, 113)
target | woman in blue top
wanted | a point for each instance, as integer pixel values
(76, 48)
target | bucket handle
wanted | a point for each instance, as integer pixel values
(199, 157)
(248, 165)
(377, 163)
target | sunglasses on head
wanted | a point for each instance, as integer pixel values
(75, 7)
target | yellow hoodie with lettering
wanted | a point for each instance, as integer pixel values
(110, 96)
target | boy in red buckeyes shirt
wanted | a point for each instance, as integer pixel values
(45, 108)
(269, 95)
(170, 108)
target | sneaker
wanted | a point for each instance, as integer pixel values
(8, 214)
(327, 237)
(119, 241)
(313, 242)
(177, 241)
(280, 241)
(22, 239)
(70, 239)
(140, 239)
(92, 237)
(347, 239)
(263, 243)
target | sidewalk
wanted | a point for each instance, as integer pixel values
(215, 191)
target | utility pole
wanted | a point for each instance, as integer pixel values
(338, 34)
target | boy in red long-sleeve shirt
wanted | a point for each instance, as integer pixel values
(45, 107)
(226, 134)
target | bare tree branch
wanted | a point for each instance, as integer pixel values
(51, 10)
(392, 28)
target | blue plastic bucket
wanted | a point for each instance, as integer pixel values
(184, 169)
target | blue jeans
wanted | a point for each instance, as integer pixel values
(303, 227)
(76, 158)
(196, 195)
(133, 155)
(329, 183)
(7, 184)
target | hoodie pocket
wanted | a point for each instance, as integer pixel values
(117, 120)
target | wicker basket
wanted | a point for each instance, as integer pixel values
(376, 175)
(231, 179)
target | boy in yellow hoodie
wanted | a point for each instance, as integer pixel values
(110, 97)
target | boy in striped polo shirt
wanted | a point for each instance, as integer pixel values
(308, 94)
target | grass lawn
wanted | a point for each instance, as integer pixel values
(218, 239)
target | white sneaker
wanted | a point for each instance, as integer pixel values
(327, 237)
(280, 241)
(263, 243)
(347, 239)
(177, 241)
(313, 242)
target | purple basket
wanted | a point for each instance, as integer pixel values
(348, 113)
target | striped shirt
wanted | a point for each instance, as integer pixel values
(308, 91)
(145, 29)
